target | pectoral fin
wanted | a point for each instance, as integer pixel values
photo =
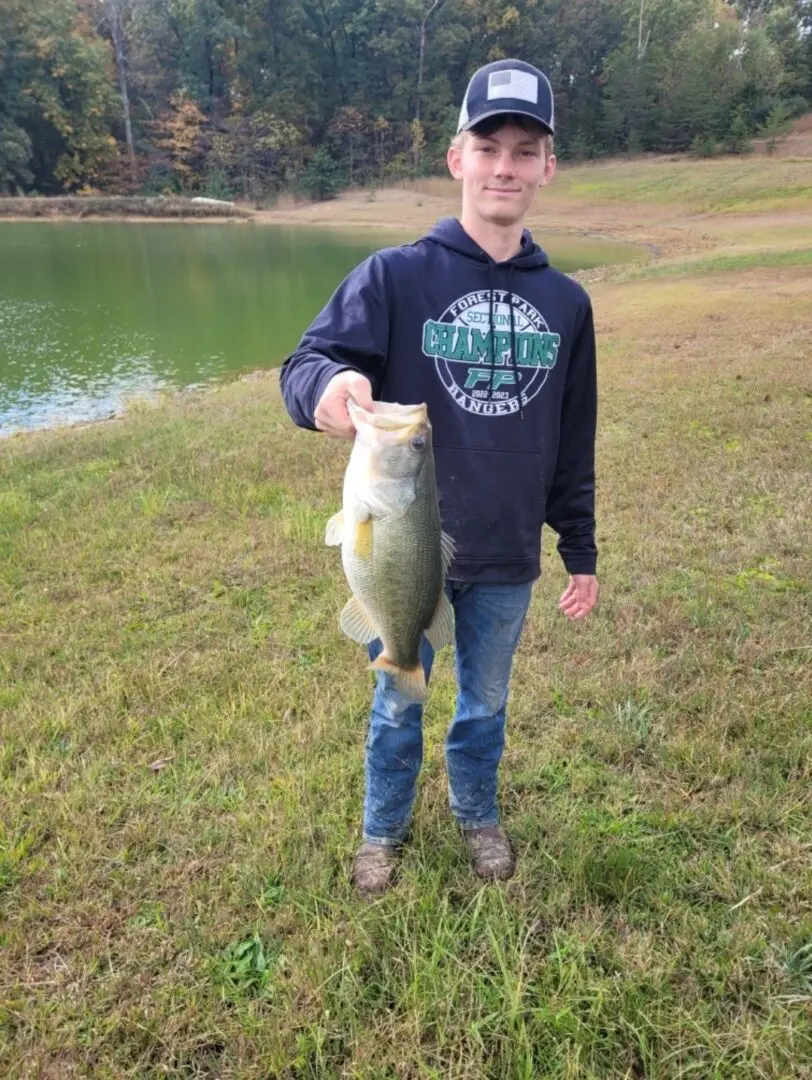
(334, 533)
(441, 629)
(356, 624)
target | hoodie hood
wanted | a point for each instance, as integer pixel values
(450, 234)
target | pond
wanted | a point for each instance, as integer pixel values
(94, 313)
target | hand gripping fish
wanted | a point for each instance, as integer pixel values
(394, 552)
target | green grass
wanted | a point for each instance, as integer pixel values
(727, 185)
(721, 263)
(183, 727)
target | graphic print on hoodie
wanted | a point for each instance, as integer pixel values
(504, 356)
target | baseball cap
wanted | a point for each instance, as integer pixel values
(508, 86)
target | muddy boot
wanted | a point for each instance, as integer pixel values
(490, 852)
(374, 868)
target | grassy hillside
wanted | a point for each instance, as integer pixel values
(729, 184)
(183, 724)
(700, 186)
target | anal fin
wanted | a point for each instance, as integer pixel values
(356, 623)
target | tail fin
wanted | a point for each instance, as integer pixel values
(411, 682)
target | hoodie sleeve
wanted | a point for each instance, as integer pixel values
(571, 499)
(351, 333)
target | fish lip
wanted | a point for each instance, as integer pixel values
(372, 435)
(389, 416)
(393, 408)
(396, 407)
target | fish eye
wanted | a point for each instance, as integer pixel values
(418, 442)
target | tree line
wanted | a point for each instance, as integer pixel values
(246, 99)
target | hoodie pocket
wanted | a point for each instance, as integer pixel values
(492, 502)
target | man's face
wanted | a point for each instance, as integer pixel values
(500, 172)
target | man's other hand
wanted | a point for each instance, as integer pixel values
(580, 596)
(331, 415)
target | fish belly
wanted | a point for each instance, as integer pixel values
(398, 582)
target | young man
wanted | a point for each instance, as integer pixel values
(472, 320)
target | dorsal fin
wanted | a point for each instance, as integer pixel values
(447, 549)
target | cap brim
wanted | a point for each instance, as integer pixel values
(471, 123)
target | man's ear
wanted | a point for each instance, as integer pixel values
(549, 170)
(453, 161)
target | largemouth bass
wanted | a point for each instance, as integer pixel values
(394, 552)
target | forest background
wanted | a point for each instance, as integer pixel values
(249, 99)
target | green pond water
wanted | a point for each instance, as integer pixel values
(93, 314)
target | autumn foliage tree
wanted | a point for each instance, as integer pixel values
(349, 135)
(256, 154)
(178, 133)
(248, 97)
(56, 96)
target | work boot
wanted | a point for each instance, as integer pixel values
(490, 852)
(374, 868)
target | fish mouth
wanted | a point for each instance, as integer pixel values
(402, 421)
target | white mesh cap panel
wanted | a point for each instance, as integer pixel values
(512, 83)
(463, 112)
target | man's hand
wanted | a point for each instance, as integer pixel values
(579, 597)
(331, 415)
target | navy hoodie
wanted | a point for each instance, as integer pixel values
(504, 356)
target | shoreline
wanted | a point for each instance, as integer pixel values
(287, 219)
(143, 401)
(132, 219)
(117, 207)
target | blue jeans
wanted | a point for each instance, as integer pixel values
(489, 620)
